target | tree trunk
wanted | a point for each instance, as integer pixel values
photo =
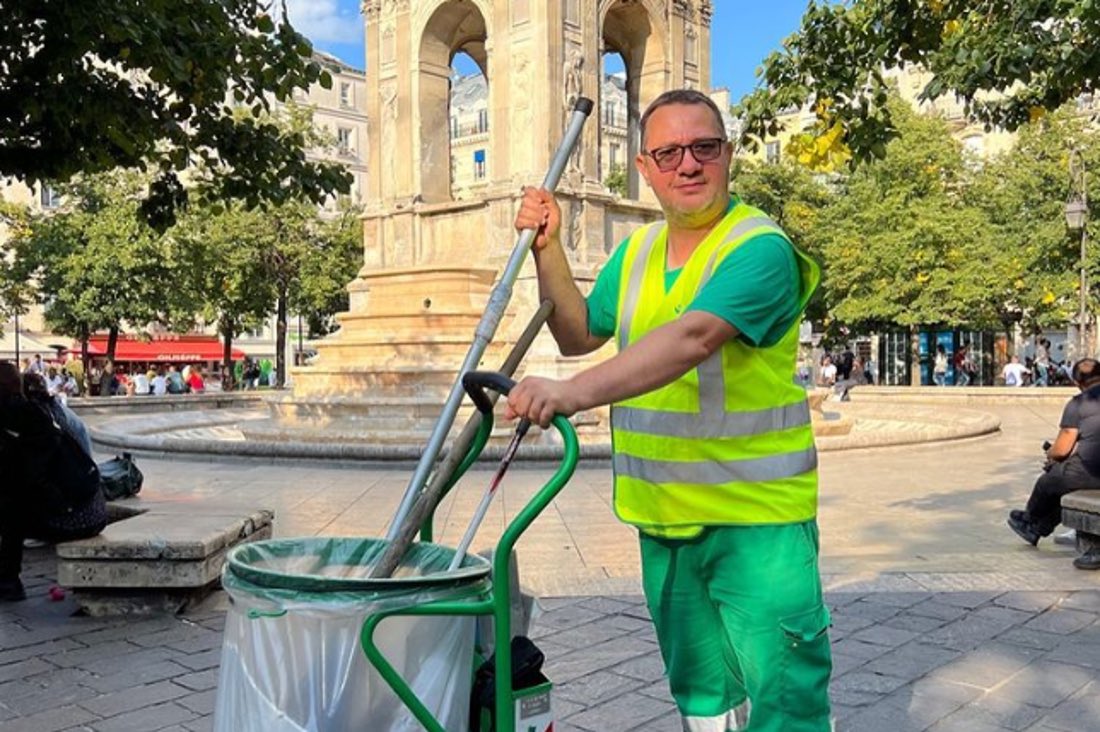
(85, 361)
(112, 343)
(227, 358)
(280, 339)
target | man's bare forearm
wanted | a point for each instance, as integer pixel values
(569, 321)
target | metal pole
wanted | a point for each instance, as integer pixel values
(487, 327)
(17, 339)
(1082, 333)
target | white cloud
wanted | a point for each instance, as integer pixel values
(327, 21)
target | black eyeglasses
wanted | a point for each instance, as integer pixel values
(669, 157)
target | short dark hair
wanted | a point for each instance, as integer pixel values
(11, 381)
(1086, 371)
(682, 96)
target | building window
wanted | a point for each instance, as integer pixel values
(454, 126)
(771, 151)
(479, 164)
(48, 197)
(482, 120)
(343, 140)
(609, 113)
(613, 153)
(346, 98)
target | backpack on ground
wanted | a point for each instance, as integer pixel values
(120, 477)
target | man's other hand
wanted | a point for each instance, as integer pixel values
(539, 211)
(539, 399)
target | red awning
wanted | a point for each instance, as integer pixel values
(184, 349)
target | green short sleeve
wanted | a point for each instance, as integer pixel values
(603, 301)
(755, 289)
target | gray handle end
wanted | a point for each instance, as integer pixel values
(584, 105)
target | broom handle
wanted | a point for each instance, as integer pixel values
(490, 319)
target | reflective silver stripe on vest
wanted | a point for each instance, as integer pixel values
(634, 284)
(742, 228)
(710, 423)
(754, 470)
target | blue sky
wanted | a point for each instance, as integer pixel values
(742, 34)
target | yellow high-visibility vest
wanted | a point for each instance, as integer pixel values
(730, 441)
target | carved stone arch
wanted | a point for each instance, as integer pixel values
(638, 31)
(443, 29)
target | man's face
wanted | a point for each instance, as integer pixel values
(693, 193)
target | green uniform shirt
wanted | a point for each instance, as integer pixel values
(754, 289)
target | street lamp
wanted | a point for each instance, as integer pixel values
(1077, 220)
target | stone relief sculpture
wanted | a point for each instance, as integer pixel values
(572, 75)
(389, 123)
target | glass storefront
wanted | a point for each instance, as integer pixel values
(896, 357)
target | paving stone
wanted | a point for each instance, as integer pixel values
(1032, 602)
(199, 681)
(998, 711)
(976, 628)
(201, 702)
(914, 623)
(202, 724)
(81, 655)
(202, 661)
(147, 718)
(854, 699)
(1031, 638)
(968, 600)
(48, 648)
(607, 605)
(127, 700)
(884, 636)
(1087, 600)
(960, 723)
(569, 616)
(626, 713)
(21, 669)
(52, 689)
(859, 649)
(1078, 713)
(868, 683)
(927, 708)
(1078, 654)
(589, 634)
(1061, 620)
(843, 663)
(644, 668)
(141, 675)
(593, 688)
(1044, 684)
(912, 660)
(660, 691)
(873, 612)
(589, 660)
(934, 608)
(898, 599)
(50, 720)
(562, 708)
(668, 723)
(879, 717)
(988, 666)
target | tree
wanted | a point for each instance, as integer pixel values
(96, 264)
(16, 291)
(87, 87)
(1023, 194)
(792, 195)
(616, 180)
(1034, 55)
(900, 242)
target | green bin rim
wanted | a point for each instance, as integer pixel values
(240, 558)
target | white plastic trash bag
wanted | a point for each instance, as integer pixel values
(292, 659)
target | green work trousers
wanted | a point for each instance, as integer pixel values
(739, 615)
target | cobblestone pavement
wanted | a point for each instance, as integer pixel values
(943, 620)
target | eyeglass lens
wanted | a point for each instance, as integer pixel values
(671, 156)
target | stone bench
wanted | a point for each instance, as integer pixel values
(156, 555)
(1081, 511)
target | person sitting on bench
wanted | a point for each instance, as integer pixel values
(1073, 463)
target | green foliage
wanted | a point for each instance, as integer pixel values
(95, 263)
(1040, 54)
(91, 86)
(795, 199)
(615, 181)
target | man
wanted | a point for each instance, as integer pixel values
(1014, 372)
(1073, 464)
(714, 456)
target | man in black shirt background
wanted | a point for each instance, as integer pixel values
(1073, 464)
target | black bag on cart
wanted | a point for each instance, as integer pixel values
(120, 477)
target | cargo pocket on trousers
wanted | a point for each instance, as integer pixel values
(807, 663)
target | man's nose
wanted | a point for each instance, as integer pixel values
(688, 164)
